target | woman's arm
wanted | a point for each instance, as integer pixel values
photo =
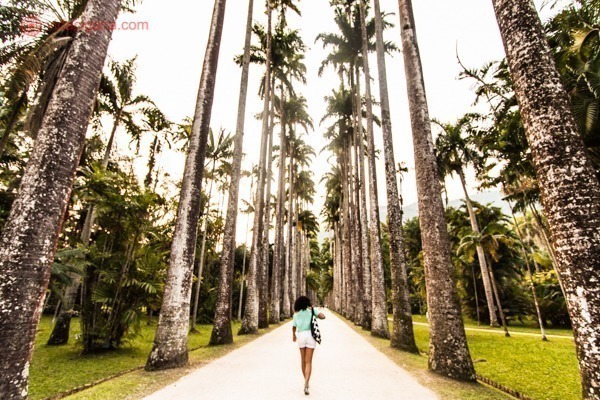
(294, 333)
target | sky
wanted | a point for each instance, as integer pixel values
(171, 51)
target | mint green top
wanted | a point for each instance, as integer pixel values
(303, 317)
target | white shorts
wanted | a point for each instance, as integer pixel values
(305, 339)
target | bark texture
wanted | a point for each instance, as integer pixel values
(29, 239)
(570, 190)
(402, 334)
(379, 323)
(448, 350)
(222, 333)
(170, 342)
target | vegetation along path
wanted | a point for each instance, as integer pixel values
(345, 366)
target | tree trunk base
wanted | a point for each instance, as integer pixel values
(60, 333)
(159, 362)
(407, 347)
(221, 335)
(247, 331)
(380, 334)
(456, 372)
(263, 324)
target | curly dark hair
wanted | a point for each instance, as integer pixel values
(302, 303)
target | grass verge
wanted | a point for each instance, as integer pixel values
(537, 369)
(57, 369)
(416, 365)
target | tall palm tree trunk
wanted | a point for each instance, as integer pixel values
(250, 320)
(529, 275)
(485, 270)
(570, 189)
(26, 248)
(379, 322)
(278, 253)
(263, 309)
(337, 270)
(366, 260)
(497, 297)
(170, 342)
(346, 234)
(202, 257)
(290, 228)
(285, 286)
(358, 280)
(243, 277)
(222, 333)
(448, 350)
(402, 334)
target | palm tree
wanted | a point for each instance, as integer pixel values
(222, 333)
(170, 343)
(453, 154)
(486, 241)
(379, 324)
(570, 188)
(449, 353)
(339, 108)
(250, 320)
(263, 314)
(119, 101)
(218, 149)
(27, 249)
(402, 335)
(345, 57)
(278, 249)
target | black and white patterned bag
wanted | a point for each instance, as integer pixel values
(314, 328)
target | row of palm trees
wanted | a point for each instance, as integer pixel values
(448, 348)
(569, 188)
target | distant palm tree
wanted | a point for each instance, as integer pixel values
(170, 343)
(27, 248)
(117, 98)
(453, 154)
(218, 150)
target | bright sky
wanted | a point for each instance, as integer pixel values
(170, 55)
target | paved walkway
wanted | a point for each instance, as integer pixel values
(345, 367)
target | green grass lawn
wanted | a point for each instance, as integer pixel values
(538, 369)
(528, 327)
(56, 369)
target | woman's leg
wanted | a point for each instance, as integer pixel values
(308, 365)
(302, 360)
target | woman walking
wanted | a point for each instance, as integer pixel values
(302, 318)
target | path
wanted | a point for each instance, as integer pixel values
(345, 367)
